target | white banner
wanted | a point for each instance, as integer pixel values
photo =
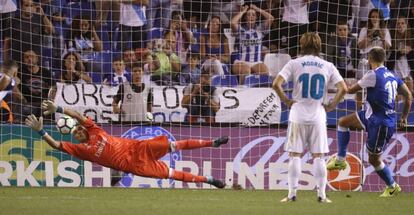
(250, 106)
(92, 100)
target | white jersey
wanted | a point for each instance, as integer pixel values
(132, 15)
(295, 11)
(7, 6)
(311, 77)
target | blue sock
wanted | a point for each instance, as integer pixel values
(385, 175)
(343, 140)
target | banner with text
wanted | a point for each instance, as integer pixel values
(249, 106)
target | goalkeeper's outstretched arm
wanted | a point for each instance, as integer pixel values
(49, 107)
(37, 125)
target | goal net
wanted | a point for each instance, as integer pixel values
(191, 70)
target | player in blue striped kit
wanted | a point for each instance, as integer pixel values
(379, 118)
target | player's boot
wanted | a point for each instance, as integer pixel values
(391, 191)
(215, 182)
(287, 199)
(220, 141)
(335, 164)
(325, 200)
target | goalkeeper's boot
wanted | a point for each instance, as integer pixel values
(335, 164)
(391, 191)
(215, 182)
(287, 199)
(325, 200)
(220, 141)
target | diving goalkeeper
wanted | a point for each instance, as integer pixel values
(139, 157)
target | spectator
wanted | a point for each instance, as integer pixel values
(103, 8)
(376, 34)
(214, 47)
(169, 63)
(129, 59)
(119, 76)
(250, 37)
(201, 100)
(35, 82)
(26, 31)
(83, 38)
(131, 22)
(195, 28)
(294, 23)
(402, 54)
(179, 36)
(191, 71)
(162, 54)
(329, 13)
(342, 50)
(275, 8)
(200, 9)
(369, 5)
(73, 70)
(411, 14)
(134, 100)
(159, 14)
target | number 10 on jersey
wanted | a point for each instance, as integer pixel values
(315, 88)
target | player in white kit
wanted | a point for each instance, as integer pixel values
(311, 77)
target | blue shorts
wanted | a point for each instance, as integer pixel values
(378, 133)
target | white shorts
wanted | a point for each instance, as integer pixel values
(313, 137)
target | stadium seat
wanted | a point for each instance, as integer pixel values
(74, 9)
(224, 80)
(104, 36)
(155, 33)
(226, 69)
(104, 59)
(275, 62)
(96, 77)
(258, 81)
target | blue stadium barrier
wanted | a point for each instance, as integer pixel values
(258, 81)
(224, 80)
(74, 9)
(96, 77)
(155, 33)
(104, 36)
(104, 59)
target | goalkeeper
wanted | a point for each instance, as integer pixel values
(139, 157)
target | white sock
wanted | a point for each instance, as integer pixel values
(294, 171)
(320, 174)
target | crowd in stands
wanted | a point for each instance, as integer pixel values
(192, 43)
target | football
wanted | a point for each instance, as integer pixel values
(65, 124)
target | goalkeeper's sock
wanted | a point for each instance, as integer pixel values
(188, 177)
(343, 140)
(320, 174)
(385, 174)
(190, 144)
(294, 171)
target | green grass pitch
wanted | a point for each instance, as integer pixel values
(118, 201)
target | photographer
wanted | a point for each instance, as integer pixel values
(201, 100)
